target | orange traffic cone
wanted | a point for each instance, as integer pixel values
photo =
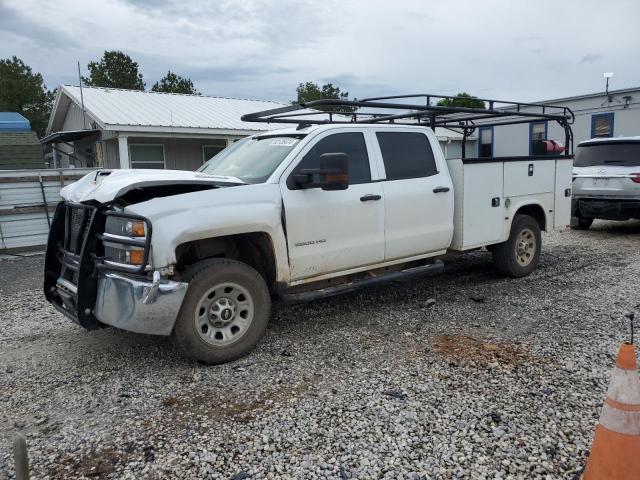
(615, 453)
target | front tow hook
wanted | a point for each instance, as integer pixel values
(152, 294)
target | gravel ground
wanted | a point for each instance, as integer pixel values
(464, 375)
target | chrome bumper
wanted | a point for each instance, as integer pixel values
(139, 306)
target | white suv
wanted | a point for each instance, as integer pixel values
(606, 181)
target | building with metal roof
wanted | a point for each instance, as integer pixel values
(14, 122)
(19, 145)
(115, 128)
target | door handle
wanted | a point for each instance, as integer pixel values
(441, 189)
(368, 198)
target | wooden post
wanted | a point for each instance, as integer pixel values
(21, 456)
(123, 151)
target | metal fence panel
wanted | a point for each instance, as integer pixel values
(24, 196)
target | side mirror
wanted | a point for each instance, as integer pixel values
(333, 173)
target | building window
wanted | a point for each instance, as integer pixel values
(214, 148)
(485, 145)
(537, 132)
(146, 155)
(602, 125)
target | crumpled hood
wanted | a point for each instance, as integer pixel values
(106, 185)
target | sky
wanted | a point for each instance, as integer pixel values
(262, 49)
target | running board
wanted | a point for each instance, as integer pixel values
(430, 269)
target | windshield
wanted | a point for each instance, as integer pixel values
(622, 154)
(251, 159)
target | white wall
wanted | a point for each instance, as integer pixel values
(514, 139)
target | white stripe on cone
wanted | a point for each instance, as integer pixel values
(624, 386)
(620, 421)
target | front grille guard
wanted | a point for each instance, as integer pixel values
(70, 251)
(72, 261)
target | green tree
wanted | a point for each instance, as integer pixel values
(116, 70)
(311, 91)
(172, 83)
(24, 92)
(462, 100)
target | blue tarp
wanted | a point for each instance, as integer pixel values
(13, 122)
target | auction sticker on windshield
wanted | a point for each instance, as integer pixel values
(283, 142)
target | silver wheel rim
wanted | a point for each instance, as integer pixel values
(223, 314)
(525, 247)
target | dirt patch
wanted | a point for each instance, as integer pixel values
(95, 464)
(240, 408)
(467, 349)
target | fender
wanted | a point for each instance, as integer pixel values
(516, 203)
(215, 213)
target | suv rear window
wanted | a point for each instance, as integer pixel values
(622, 154)
(406, 155)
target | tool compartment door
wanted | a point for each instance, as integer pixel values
(562, 207)
(483, 209)
(527, 177)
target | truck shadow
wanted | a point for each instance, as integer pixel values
(599, 228)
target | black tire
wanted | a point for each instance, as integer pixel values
(202, 277)
(583, 224)
(505, 254)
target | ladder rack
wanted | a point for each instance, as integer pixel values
(422, 109)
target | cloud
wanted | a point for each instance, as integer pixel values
(591, 57)
(526, 38)
(22, 27)
(265, 48)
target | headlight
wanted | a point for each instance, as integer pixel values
(123, 254)
(130, 227)
(126, 242)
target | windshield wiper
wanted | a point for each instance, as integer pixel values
(282, 135)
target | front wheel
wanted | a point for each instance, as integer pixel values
(520, 254)
(224, 313)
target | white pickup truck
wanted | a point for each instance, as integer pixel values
(298, 213)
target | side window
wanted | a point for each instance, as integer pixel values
(537, 133)
(352, 144)
(406, 155)
(485, 145)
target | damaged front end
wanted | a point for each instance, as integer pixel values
(98, 271)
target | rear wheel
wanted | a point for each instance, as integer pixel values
(224, 313)
(520, 254)
(583, 224)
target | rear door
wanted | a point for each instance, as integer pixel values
(418, 193)
(331, 231)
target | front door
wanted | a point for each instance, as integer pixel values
(331, 231)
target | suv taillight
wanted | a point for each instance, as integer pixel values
(635, 177)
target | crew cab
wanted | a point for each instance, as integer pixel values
(296, 214)
(606, 181)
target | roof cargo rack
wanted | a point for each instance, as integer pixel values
(419, 109)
